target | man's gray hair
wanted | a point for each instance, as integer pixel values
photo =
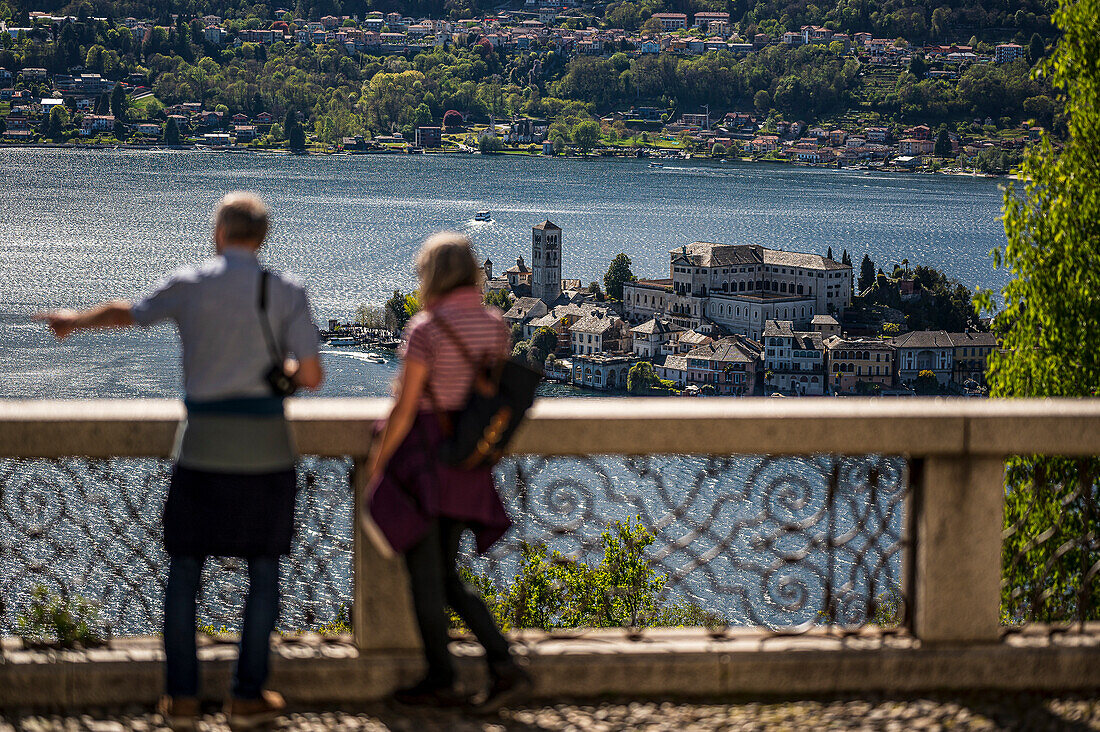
(242, 216)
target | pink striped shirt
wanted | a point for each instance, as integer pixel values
(482, 331)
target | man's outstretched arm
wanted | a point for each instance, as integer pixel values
(115, 314)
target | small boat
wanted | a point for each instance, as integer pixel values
(483, 216)
(656, 165)
(343, 341)
(374, 358)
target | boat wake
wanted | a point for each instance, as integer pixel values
(357, 355)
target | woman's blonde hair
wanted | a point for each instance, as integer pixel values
(444, 263)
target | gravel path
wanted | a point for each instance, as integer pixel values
(965, 712)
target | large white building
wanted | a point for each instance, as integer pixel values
(740, 287)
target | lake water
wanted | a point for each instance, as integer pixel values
(77, 227)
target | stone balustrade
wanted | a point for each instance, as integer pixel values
(955, 450)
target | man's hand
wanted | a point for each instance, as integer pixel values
(108, 315)
(61, 322)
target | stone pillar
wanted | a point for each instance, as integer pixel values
(382, 613)
(957, 593)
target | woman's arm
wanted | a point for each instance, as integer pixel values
(414, 375)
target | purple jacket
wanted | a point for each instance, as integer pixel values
(417, 487)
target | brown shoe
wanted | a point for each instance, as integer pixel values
(250, 713)
(178, 712)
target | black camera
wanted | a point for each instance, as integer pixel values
(281, 383)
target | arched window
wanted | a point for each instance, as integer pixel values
(800, 289)
(741, 286)
(782, 286)
(725, 287)
(803, 312)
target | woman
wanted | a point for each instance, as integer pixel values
(422, 505)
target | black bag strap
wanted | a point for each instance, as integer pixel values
(269, 336)
(449, 331)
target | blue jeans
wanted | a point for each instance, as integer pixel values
(260, 611)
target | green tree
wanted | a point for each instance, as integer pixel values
(926, 383)
(1036, 49)
(762, 101)
(545, 342)
(641, 377)
(866, 273)
(498, 299)
(295, 135)
(942, 148)
(618, 274)
(586, 134)
(171, 133)
(119, 102)
(1049, 327)
(490, 143)
(397, 313)
(59, 119)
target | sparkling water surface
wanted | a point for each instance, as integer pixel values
(77, 227)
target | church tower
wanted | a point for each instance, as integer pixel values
(546, 262)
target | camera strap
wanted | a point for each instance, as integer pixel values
(269, 337)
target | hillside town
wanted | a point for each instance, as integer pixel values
(101, 103)
(732, 320)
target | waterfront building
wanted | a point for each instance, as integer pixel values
(740, 287)
(429, 137)
(924, 350)
(90, 124)
(600, 332)
(793, 360)
(560, 318)
(651, 339)
(855, 364)
(730, 365)
(601, 371)
(546, 261)
(971, 351)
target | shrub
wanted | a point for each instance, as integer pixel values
(65, 621)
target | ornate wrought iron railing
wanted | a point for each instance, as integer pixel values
(811, 523)
(92, 528)
(784, 543)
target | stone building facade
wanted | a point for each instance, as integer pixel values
(740, 287)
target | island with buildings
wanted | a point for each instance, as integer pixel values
(735, 320)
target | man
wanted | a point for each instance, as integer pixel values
(233, 485)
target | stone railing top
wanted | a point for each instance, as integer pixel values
(713, 425)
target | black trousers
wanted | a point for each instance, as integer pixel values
(435, 581)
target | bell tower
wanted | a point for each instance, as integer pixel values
(546, 262)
